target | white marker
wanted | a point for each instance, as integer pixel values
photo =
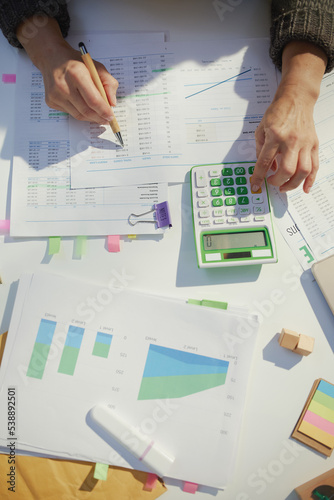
(138, 444)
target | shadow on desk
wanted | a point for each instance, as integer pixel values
(188, 274)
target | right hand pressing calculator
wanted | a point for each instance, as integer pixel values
(232, 225)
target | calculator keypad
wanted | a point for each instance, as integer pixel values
(224, 197)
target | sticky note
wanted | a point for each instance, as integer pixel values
(8, 78)
(315, 433)
(80, 246)
(4, 226)
(151, 481)
(54, 244)
(113, 243)
(101, 471)
(190, 487)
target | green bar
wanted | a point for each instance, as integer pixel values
(68, 360)
(38, 360)
(160, 70)
(101, 350)
(323, 399)
(179, 385)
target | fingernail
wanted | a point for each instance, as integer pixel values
(255, 187)
(108, 118)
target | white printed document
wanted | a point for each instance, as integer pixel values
(177, 372)
(179, 105)
(42, 201)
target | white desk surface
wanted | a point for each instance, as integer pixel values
(270, 464)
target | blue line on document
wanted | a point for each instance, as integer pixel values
(219, 83)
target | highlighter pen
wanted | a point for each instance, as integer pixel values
(96, 79)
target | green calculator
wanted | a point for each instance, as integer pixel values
(232, 225)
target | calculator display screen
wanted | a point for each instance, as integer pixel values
(218, 241)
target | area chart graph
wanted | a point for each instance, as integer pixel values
(171, 373)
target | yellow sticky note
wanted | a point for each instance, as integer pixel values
(317, 434)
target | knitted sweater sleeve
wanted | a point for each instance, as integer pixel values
(307, 20)
(13, 12)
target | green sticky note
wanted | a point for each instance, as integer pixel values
(80, 246)
(194, 301)
(101, 471)
(54, 244)
(214, 303)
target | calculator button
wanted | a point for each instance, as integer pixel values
(228, 181)
(203, 203)
(257, 199)
(259, 218)
(231, 211)
(239, 171)
(216, 192)
(244, 211)
(240, 180)
(230, 201)
(232, 220)
(218, 212)
(227, 171)
(258, 210)
(216, 182)
(219, 221)
(242, 190)
(243, 200)
(200, 179)
(203, 213)
(217, 202)
(202, 193)
(245, 219)
(256, 192)
(229, 191)
(204, 222)
(214, 173)
(250, 170)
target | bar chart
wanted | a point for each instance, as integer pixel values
(102, 344)
(41, 348)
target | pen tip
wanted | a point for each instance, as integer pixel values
(120, 140)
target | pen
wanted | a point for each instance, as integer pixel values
(96, 79)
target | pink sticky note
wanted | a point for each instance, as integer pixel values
(190, 487)
(8, 78)
(4, 226)
(151, 481)
(114, 243)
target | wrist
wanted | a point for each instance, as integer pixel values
(41, 41)
(303, 67)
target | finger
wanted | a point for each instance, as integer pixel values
(263, 164)
(109, 83)
(309, 181)
(304, 168)
(288, 162)
(86, 98)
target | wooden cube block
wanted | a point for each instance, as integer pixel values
(305, 345)
(288, 339)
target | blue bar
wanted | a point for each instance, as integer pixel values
(163, 361)
(45, 331)
(74, 336)
(104, 338)
(326, 388)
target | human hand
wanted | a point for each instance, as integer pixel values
(68, 84)
(286, 139)
(287, 143)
